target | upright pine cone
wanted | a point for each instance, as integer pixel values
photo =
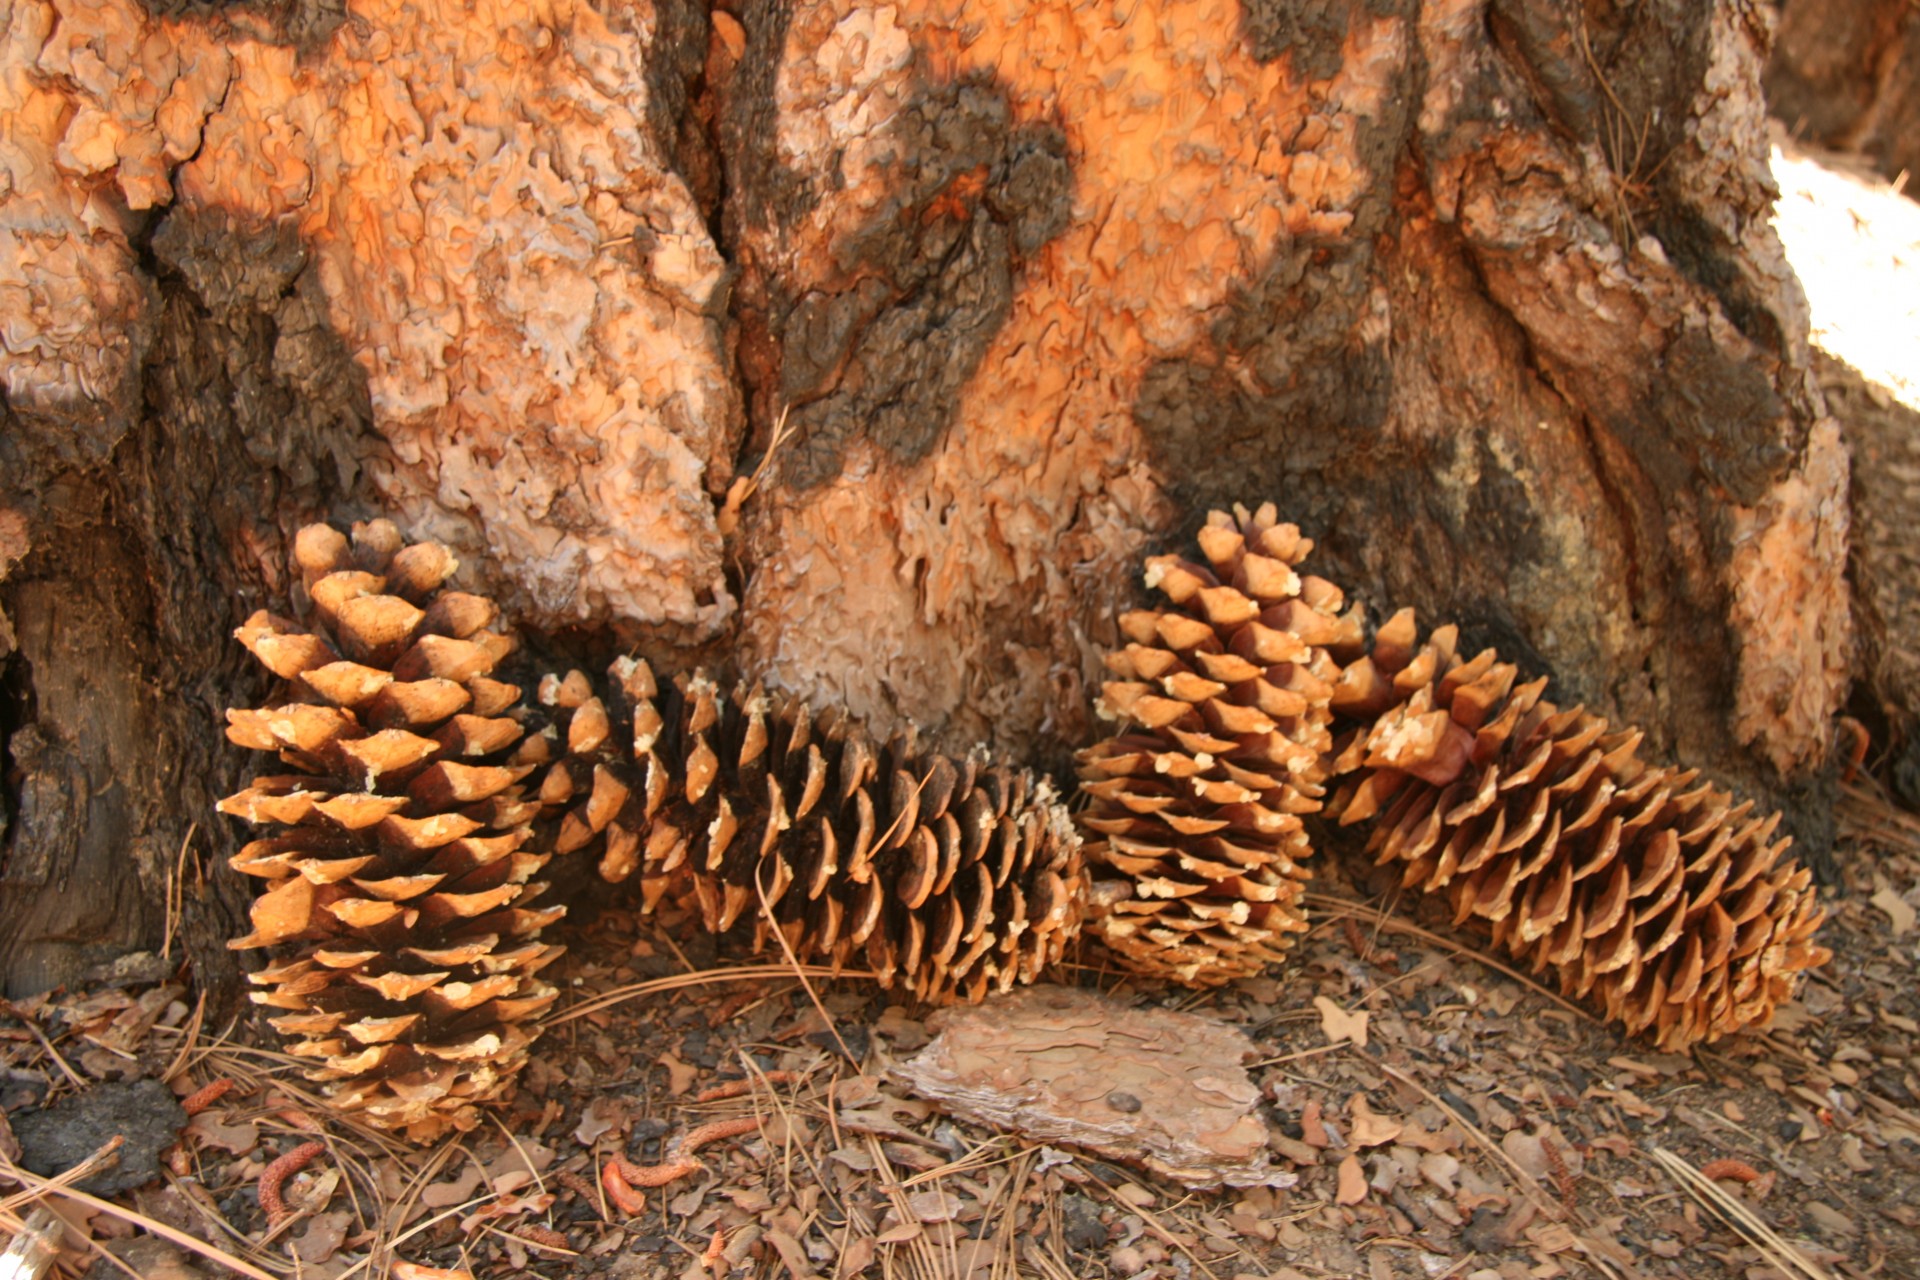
(398, 884)
(1194, 815)
(1646, 890)
(949, 877)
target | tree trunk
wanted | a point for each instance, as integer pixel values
(988, 298)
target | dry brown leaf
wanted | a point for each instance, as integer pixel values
(413, 1271)
(1900, 914)
(680, 1075)
(1369, 1129)
(1339, 1025)
(1447, 1138)
(792, 1254)
(1353, 1182)
(449, 1192)
(208, 1131)
(935, 1206)
(1312, 1130)
(1440, 1169)
(602, 1116)
(324, 1235)
(752, 1200)
(857, 1256)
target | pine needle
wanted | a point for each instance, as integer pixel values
(1785, 1256)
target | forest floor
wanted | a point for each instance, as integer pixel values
(1483, 1130)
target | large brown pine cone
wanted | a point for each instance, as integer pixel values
(1194, 810)
(399, 886)
(950, 878)
(1647, 891)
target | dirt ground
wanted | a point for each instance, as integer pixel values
(1483, 1130)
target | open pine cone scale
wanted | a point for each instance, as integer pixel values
(952, 877)
(1194, 821)
(401, 875)
(1644, 889)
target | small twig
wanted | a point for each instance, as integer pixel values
(34, 1249)
(1392, 925)
(37, 1185)
(176, 892)
(798, 970)
(744, 487)
(708, 977)
(79, 1082)
(543, 1238)
(78, 1173)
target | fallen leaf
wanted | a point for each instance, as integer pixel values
(412, 1271)
(447, 1193)
(324, 1235)
(1898, 912)
(310, 1195)
(1446, 1138)
(799, 1266)
(899, 1233)
(603, 1115)
(1551, 1237)
(1312, 1131)
(935, 1205)
(1353, 1183)
(752, 1200)
(1440, 1169)
(511, 1181)
(857, 1256)
(208, 1130)
(1339, 1025)
(1369, 1129)
(1829, 1219)
(680, 1075)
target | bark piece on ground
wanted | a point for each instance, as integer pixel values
(1151, 1087)
(58, 1137)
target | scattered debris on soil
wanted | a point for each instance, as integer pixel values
(1440, 1117)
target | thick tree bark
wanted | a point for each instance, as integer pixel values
(1483, 293)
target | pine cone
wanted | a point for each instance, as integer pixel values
(398, 886)
(1194, 822)
(951, 878)
(1649, 892)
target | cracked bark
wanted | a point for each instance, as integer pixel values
(1482, 293)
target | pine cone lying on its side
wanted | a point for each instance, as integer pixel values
(419, 800)
(399, 886)
(952, 878)
(1194, 816)
(1647, 891)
